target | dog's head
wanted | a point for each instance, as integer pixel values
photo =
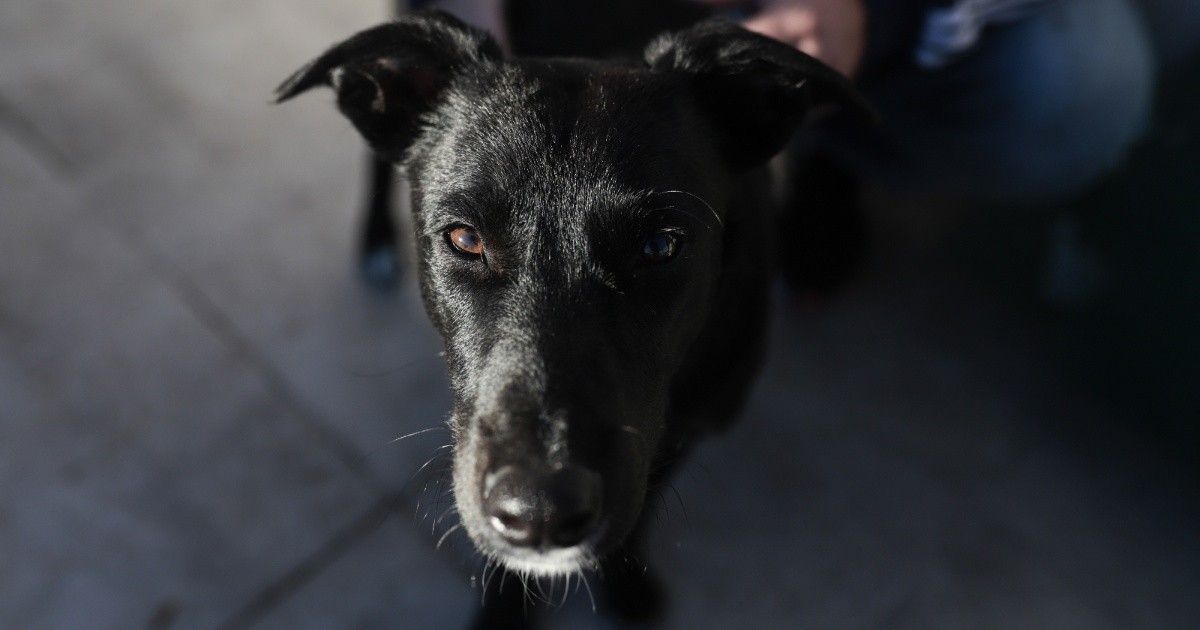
(571, 220)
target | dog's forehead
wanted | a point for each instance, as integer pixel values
(578, 104)
(561, 136)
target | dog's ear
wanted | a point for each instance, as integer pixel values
(757, 90)
(388, 76)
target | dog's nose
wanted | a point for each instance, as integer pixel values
(542, 509)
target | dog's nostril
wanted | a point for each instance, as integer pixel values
(575, 508)
(572, 529)
(515, 528)
(510, 502)
(506, 521)
(530, 509)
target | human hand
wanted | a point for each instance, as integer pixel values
(485, 14)
(834, 31)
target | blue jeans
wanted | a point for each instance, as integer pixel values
(1039, 110)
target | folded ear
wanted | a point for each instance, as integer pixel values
(388, 76)
(757, 90)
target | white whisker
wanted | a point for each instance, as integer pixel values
(445, 536)
(442, 516)
(405, 437)
(542, 590)
(426, 465)
(589, 591)
(697, 198)
(525, 597)
(484, 582)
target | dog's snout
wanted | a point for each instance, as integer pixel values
(552, 509)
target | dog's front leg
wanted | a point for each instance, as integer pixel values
(379, 259)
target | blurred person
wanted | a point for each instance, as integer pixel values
(984, 102)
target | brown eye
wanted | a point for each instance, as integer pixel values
(660, 247)
(465, 240)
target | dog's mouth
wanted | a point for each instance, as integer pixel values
(546, 562)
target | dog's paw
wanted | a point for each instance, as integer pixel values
(380, 268)
(635, 594)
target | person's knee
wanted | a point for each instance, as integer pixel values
(1083, 97)
(1040, 109)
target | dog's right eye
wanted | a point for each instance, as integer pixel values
(660, 247)
(465, 240)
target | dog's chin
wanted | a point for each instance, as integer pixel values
(550, 563)
(541, 562)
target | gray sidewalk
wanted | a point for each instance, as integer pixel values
(198, 399)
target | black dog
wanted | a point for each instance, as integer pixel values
(595, 246)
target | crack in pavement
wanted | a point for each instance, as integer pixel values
(26, 133)
(41, 148)
(272, 595)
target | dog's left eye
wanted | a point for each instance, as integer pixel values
(660, 247)
(465, 240)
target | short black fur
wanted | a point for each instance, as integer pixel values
(582, 369)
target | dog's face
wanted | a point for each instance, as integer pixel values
(567, 257)
(570, 220)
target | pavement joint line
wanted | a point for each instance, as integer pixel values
(390, 499)
(222, 325)
(25, 132)
(273, 595)
(277, 592)
(212, 317)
